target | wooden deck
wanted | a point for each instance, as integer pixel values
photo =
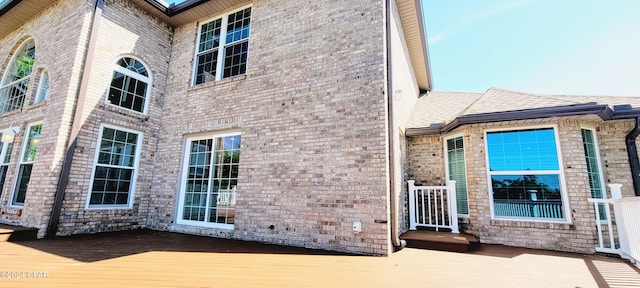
(15, 233)
(163, 259)
(443, 241)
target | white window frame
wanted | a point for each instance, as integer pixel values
(7, 137)
(598, 159)
(599, 163)
(134, 174)
(42, 94)
(148, 80)
(16, 184)
(221, 46)
(560, 173)
(7, 71)
(446, 161)
(183, 177)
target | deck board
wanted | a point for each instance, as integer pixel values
(163, 259)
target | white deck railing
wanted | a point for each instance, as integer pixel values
(619, 234)
(433, 206)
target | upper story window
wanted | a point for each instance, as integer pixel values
(129, 85)
(15, 82)
(43, 88)
(526, 181)
(222, 47)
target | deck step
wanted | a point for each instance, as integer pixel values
(444, 241)
(10, 233)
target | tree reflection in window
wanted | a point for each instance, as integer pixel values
(15, 82)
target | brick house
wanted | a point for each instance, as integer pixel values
(286, 122)
(525, 164)
(255, 120)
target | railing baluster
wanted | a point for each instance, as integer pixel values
(435, 212)
(442, 220)
(424, 213)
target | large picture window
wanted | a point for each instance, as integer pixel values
(525, 176)
(14, 84)
(209, 180)
(222, 47)
(456, 170)
(114, 175)
(26, 163)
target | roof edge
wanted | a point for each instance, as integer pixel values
(602, 110)
(7, 6)
(424, 43)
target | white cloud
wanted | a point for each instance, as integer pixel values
(608, 65)
(473, 19)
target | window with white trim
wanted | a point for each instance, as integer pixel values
(43, 88)
(456, 170)
(524, 174)
(130, 85)
(6, 146)
(114, 173)
(592, 158)
(222, 47)
(15, 82)
(209, 180)
(26, 163)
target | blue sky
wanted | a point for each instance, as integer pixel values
(174, 1)
(578, 47)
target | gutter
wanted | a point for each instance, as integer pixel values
(603, 111)
(395, 238)
(632, 152)
(52, 226)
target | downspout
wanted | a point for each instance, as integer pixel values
(395, 238)
(76, 124)
(632, 151)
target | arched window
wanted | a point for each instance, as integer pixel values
(129, 85)
(43, 88)
(13, 88)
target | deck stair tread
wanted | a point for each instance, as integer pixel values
(445, 241)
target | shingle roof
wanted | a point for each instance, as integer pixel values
(443, 107)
